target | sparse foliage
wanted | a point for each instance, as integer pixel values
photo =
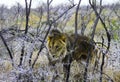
(23, 33)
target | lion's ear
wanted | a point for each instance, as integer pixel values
(49, 38)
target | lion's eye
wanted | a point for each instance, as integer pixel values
(56, 47)
(49, 46)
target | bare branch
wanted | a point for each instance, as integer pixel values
(76, 16)
(50, 1)
(26, 28)
(10, 54)
(27, 14)
(22, 54)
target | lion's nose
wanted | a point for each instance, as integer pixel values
(53, 55)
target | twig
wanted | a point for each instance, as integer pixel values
(10, 54)
(76, 18)
(22, 54)
(27, 14)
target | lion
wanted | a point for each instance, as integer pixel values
(62, 46)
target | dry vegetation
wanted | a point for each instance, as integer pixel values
(23, 51)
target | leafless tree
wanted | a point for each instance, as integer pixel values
(26, 27)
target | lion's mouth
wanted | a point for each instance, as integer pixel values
(84, 57)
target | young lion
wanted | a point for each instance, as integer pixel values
(62, 46)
